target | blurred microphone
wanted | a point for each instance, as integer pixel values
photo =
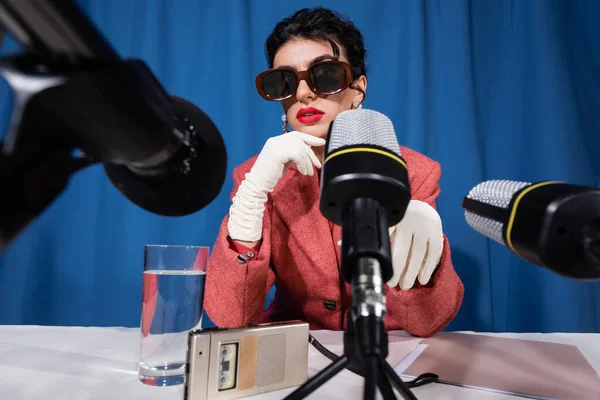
(77, 103)
(185, 175)
(550, 224)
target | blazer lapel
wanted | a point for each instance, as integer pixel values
(296, 203)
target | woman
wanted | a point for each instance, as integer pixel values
(275, 233)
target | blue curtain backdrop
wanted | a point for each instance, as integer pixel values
(490, 89)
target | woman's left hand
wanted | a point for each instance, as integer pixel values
(416, 243)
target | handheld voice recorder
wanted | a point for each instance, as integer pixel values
(232, 363)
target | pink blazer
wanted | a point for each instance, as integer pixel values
(300, 255)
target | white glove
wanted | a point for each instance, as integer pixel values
(246, 211)
(417, 243)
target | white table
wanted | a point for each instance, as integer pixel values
(87, 363)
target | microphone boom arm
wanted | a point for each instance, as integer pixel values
(50, 28)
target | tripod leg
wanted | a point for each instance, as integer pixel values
(384, 384)
(371, 369)
(316, 381)
(397, 382)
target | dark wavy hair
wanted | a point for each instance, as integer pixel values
(321, 24)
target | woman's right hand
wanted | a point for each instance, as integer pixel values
(281, 151)
(247, 210)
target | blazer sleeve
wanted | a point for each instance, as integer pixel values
(236, 292)
(427, 309)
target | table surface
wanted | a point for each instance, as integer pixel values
(84, 363)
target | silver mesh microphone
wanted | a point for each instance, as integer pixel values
(365, 189)
(551, 224)
(362, 127)
(363, 160)
(497, 193)
(364, 186)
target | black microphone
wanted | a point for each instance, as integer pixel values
(550, 224)
(78, 103)
(365, 189)
(364, 185)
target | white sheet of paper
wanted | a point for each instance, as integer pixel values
(400, 344)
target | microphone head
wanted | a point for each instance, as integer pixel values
(363, 160)
(497, 193)
(362, 127)
(190, 179)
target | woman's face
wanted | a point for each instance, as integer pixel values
(307, 112)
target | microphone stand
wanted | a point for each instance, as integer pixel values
(364, 231)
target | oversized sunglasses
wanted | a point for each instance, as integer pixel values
(325, 77)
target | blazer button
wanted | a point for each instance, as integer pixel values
(329, 305)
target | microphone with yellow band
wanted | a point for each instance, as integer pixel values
(551, 224)
(365, 189)
(364, 186)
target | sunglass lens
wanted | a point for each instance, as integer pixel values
(328, 78)
(279, 84)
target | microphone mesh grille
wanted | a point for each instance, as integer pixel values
(362, 127)
(498, 193)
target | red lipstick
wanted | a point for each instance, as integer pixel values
(309, 115)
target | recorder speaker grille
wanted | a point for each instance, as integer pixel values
(270, 363)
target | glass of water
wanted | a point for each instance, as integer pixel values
(172, 303)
